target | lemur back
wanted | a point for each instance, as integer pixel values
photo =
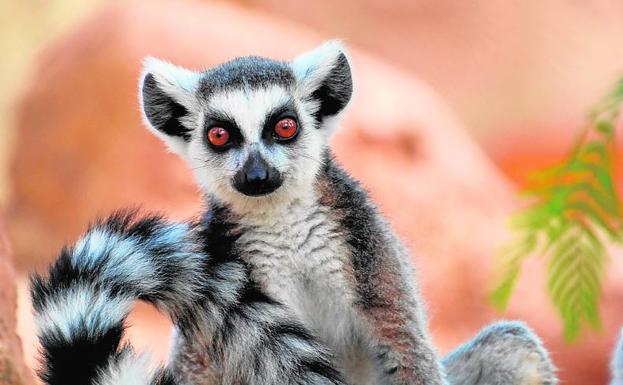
(290, 276)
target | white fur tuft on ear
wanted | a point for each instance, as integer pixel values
(323, 75)
(178, 78)
(312, 67)
(168, 100)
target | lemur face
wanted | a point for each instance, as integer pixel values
(252, 129)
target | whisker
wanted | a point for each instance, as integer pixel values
(311, 158)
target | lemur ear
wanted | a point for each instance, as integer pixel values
(324, 74)
(167, 94)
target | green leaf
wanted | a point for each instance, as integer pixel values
(500, 296)
(514, 256)
(597, 219)
(605, 127)
(573, 210)
(574, 283)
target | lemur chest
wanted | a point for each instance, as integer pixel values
(302, 260)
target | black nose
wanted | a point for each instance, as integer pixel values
(256, 173)
(257, 177)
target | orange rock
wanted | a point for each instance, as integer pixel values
(12, 368)
(518, 155)
(498, 64)
(82, 152)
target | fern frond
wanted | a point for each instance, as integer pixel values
(574, 276)
(574, 210)
(514, 257)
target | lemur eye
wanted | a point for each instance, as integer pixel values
(286, 129)
(218, 136)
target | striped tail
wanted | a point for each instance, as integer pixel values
(80, 307)
(82, 304)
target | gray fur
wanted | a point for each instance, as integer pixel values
(504, 353)
(245, 72)
(616, 365)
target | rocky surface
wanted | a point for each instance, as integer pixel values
(83, 152)
(12, 368)
(505, 67)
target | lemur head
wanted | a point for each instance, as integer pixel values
(253, 129)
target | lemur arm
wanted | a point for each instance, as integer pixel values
(396, 317)
(81, 306)
(503, 353)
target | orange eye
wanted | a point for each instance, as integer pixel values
(218, 136)
(286, 128)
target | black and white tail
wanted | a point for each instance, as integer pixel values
(83, 302)
(80, 307)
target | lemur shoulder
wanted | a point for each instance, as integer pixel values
(290, 276)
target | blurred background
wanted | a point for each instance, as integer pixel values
(474, 95)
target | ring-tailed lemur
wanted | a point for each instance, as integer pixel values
(290, 276)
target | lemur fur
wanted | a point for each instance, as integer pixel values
(616, 364)
(290, 276)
